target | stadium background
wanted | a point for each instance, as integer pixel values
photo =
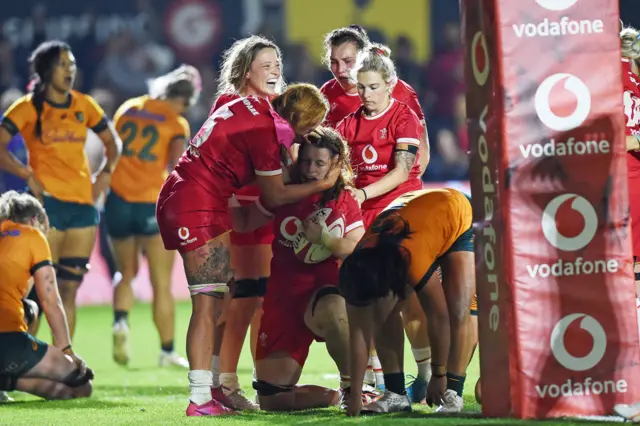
(120, 44)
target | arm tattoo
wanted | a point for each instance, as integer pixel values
(51, 282)
(405, 160)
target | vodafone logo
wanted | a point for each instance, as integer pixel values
(576, 91)
(556, 5)
(183, 233)
(559, 349)
(193, 26)
(480, 58)
(369, 154)
(292, 230)
(550, 228)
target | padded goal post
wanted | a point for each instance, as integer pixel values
(557, 317)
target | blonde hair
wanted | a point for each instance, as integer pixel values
(302, 105)
(21, 208)
(629, 43)
(376, 57)
(237, 60)
(185, 81)
(352, 34)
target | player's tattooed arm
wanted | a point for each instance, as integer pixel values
(405, 160)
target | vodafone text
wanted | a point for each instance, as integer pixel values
(580, 266)
(571, 146)
(586, 387)
(489, 233)
(565, 26)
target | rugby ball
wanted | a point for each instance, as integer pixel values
(329, 219)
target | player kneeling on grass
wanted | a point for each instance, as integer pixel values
(26, 363)
(302, 303)
(419, 232)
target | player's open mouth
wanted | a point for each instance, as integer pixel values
(272, 82)
(68, 80)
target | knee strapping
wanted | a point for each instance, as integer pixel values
(250, 288)
(72, 268)
(216, 289)
(267, 389)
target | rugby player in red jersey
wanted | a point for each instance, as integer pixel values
(384, 135)
(342, 46)
(250, 67)
(630, 47)
(302, 303)
(241, 142)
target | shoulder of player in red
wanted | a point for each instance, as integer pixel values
(630, 81)
(329, 86)
(404, 93)
(223, 99)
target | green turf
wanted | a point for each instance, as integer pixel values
(146, 394)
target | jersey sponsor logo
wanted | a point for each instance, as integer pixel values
(184, 234)
(80, 116)
(292, 230)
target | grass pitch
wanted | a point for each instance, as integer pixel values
(143, 393)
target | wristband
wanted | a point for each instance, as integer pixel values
(365, 194)
(67, 349)
(435, 368)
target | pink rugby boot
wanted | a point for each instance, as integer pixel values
(211, 408)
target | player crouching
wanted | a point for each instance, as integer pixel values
(302, 303)
(418, 233)
(26, 363)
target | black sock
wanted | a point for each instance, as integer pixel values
(394, 382)
(167, 347)
(455, 383)
(120, 316)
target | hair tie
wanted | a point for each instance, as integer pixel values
(379, 52)
(35, 80)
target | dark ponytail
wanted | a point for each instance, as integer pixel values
(372, 271)
(42, 62)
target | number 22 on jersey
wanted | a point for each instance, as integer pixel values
(148, 135)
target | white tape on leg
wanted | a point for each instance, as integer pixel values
(208, 289)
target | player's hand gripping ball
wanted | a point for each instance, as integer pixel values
(330, 220)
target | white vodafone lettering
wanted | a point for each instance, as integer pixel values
(587, 386)
(565, 26)
(571, 146)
